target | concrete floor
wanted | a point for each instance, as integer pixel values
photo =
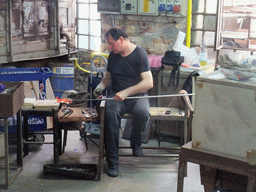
(136, 174)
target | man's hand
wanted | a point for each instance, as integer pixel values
(98, 91)
(121, 96)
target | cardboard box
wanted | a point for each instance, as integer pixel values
(11, 101)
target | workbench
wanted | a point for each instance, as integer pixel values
(156, 113)
(214, 160)
(50, 112)
(78, 116)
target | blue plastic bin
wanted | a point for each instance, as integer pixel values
(62, 78)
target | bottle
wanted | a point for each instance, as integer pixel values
(203, 55)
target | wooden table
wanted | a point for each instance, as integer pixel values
(78, 116)
(214, 160)
(50, 112)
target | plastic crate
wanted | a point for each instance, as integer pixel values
(35, 123)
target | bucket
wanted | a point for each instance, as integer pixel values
(62, 78)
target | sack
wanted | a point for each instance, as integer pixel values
(188, 83)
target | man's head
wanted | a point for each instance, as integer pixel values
(116, 33)
(116, 38)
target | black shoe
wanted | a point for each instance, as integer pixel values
(112, 170)
(137, 151)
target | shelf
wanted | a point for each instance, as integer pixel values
(238, 35)
(25, 74)
(236, 27)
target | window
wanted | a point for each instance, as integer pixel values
(88, 25)
(204, 24)
(228, 25)
(236, 25)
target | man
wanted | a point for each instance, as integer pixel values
(128, 74)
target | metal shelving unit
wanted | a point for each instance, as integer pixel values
(26, 74)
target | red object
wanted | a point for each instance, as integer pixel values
(64, 100)
(176, 8)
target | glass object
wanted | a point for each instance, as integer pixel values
(203, 55)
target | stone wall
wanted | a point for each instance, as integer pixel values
(155, 34)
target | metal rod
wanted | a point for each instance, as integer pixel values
(142, 97)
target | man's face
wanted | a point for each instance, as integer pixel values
(115, 46)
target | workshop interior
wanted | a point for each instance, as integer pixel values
(201, 136)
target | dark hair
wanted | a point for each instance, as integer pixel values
(116, 33)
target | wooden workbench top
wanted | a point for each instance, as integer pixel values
(76, 115)
(160, 111)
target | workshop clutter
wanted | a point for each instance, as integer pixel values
(237, 68)
(190, 55)
(155, 61)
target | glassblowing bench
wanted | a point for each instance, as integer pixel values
(78, 116)
(51, 112)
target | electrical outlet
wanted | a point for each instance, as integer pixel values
(129, 6)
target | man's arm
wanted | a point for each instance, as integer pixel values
(105, 82)
(144, 85)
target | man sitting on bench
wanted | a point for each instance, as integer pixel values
(128, 74)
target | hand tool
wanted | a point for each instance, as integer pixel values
(67, 112)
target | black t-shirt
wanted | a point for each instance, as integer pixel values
(125, 71)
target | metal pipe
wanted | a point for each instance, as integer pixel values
(68, 42)
(9, 32)
(189, 21)
(142, 97)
